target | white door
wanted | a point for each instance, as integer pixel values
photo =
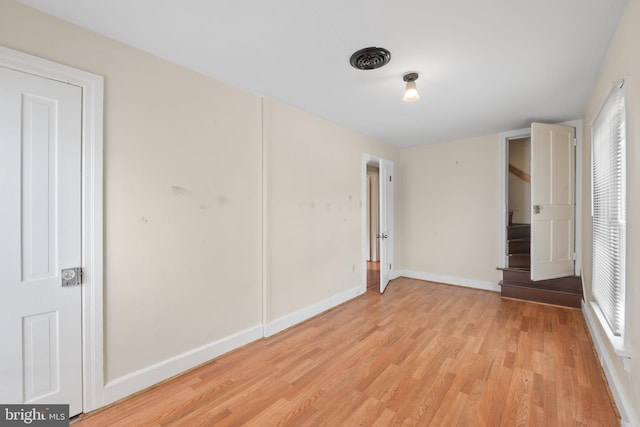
(552, 201)
(386, 222)
(40, 183)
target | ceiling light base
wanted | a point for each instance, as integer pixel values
(410, 77)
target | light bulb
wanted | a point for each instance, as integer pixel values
(411, 93)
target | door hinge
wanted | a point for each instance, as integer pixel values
(389, 178)
(574, 256)
(71, 276)
(575, 142)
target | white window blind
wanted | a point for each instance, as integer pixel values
(608, 181)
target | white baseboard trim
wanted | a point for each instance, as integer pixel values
(301, 315)
(450, 280)
(136, 381)
(144, 378)
(627, 411)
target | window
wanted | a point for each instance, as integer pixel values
(608, 183)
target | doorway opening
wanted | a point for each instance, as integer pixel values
(373, 227)
(518, 201)
(382, 241)
(539, 223)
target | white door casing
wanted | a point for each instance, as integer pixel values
(40, 171)
(386, 222)
(552, 201)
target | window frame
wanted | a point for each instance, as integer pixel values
(620, 343)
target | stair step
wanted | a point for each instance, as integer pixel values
(564, 291)
(519, 260)
(517, 231)
(519, 246)
(521, 277)
(547, 296)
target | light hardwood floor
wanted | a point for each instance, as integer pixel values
(421, 354)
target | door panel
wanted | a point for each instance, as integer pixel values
(552, 200)
(40, 354)
(386, 223)
(40, 184)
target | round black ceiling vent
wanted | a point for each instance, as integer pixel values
(370, 58)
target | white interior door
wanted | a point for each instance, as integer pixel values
(386, 222)
(552, 201)
(40, 219)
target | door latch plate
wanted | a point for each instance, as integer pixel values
(71, 276)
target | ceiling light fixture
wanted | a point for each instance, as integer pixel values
(410, 93)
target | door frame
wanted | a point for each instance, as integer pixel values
(91, 217)
(503, 209)
(369, 159)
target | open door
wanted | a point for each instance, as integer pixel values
(386, 222)
(552, 201)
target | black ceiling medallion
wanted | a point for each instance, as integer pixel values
(370, 58)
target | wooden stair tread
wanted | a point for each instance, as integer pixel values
(550, 288)
(529, 293)
(523, 276)
(518, 231)
(564, 291)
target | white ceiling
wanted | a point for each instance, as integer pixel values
(485, 65)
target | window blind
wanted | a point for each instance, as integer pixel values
(608, 181)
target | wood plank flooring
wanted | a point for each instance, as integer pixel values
(422, 354)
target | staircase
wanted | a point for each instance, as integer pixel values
(519, 246)
(516, 278)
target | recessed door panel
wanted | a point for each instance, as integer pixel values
(41, 355)
(39, 144)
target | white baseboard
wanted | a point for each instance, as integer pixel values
(301, 315)
(144, 378)
(450, 280)
(627, 411)
(136, 381)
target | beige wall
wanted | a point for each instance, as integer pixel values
(622, 61)
(447, 209)
(184, 196)
(314, 208)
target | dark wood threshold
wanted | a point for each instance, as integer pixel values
(563, 291)
(547, 296)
